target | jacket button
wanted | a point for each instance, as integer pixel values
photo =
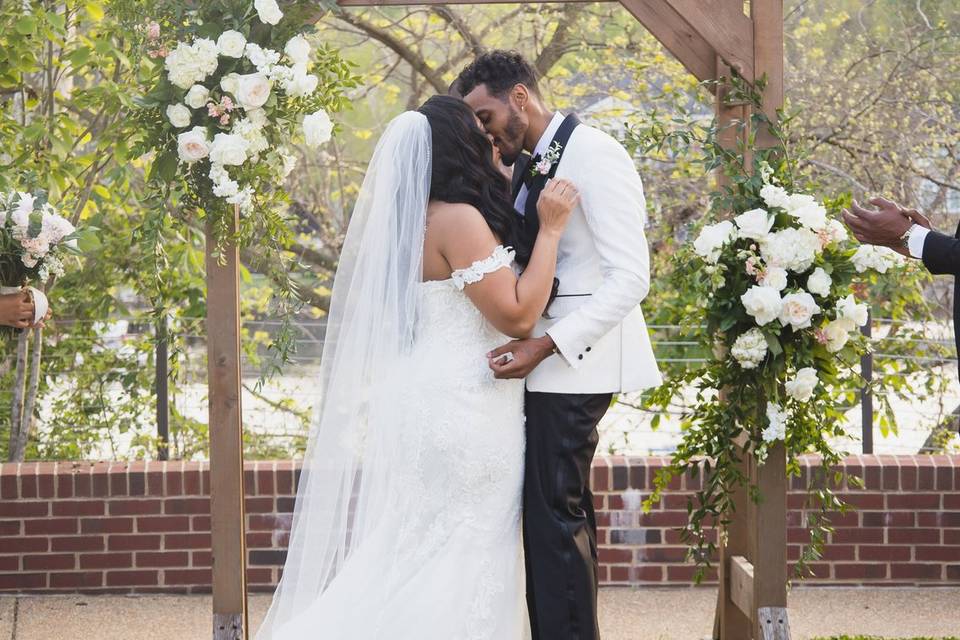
(588, 349)
(580, 357)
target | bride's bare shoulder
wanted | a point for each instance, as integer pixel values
(455, 218)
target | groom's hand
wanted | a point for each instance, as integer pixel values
(527, 354)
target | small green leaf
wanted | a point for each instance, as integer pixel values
(26, 25)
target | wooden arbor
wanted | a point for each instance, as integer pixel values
(709, 37)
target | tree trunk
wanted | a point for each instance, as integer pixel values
(33, 388)
(15, 452)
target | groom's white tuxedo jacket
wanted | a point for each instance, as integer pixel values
(604, 269)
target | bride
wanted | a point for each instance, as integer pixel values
(407, 519)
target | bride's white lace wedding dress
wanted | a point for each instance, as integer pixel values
(444, 561)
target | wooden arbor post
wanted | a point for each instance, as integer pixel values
(227, 522)
(709, 37)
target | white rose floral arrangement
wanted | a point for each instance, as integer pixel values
(237, 90)
(35, 240)
(768, 287)
(230, 104)
(777, 294)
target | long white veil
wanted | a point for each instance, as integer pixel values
(347, 467)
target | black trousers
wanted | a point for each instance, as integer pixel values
(559, 526)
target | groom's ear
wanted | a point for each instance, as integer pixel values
(520, 96)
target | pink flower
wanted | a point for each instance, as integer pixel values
(153, 30)
(158, 53)
(543, 167)
(751, 266)
(213, 110)
(821, 336)
(225, 119)
(227, 103)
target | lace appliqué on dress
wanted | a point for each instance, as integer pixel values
(501, 257)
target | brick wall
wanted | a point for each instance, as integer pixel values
(145, 527)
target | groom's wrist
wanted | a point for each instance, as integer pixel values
(546, 346)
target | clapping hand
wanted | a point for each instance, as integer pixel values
(883, 226)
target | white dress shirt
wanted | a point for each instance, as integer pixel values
(542, 145)
(915, 243)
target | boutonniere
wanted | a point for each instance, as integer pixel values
(542, 165)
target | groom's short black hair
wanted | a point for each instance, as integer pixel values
(500, 71)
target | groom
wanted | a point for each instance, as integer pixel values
(591, 342)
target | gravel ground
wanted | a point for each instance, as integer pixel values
(626, 614)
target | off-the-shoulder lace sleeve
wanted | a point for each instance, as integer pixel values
(501, 257)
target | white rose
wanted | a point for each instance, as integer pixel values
(268, 11)
(801, 386)
(878, 259)
(798, 310)
(317, 128)
(775, 277)
(289, 162)
(55, 228)
(230, 83)
(837, 333)
(197, 96)
(750, 348)
(775, 196)
(244, 198)
(193, 145)
(849, 309)
(300, 83)
(178, 115)
(834, 232)
(812, 216)
(258, 117)
(798, 201)
(754, 224)
(792, 249)
(189, 64)
(298, 50)
(226, 188)
(762, 303)
(819, 282)
(231, 44)
(262, 59)
(777, 423)
(709, 243)
(253, 134)
(25, 204)
(253, 90)
(228, 149)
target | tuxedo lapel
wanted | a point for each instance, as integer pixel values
(520, 167)
(531, 226)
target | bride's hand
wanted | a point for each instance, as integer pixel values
(557, 201)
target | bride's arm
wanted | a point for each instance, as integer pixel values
(510, 303)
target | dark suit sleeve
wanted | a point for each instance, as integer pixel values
(941, 254)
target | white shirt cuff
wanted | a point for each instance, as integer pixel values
(917, 237)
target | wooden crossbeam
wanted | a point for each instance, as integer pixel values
(677, 34)
(723, 28)
(402, 3)
(741, 584)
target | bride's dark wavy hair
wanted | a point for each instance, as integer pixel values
(463, 169)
